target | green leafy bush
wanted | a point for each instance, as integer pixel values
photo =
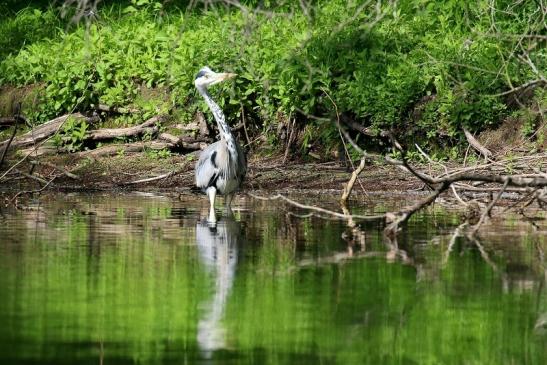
(422, 68)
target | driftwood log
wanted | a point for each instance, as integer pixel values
(198, 125)
(6, 122)
(112, 109)
(45, 130)
(148, 127)
(32, 143)
(184, 142)
(115, 149)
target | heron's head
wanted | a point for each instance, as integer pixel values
(207, 77)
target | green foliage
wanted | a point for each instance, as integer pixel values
(158, 154)
(28, 26)
(71, 136)
(378, 69)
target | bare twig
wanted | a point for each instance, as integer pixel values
(347, 189)
(318, 209)
(150, 179)
(14, 198)
(477, 145)
(488, 209)
(150, 127)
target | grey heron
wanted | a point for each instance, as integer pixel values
(221, 166)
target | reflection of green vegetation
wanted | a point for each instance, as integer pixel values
(76, 287)
(372, 312)
(125, 275)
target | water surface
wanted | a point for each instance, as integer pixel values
(123, 279)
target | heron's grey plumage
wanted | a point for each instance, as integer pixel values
(217, 168)
(222, 166)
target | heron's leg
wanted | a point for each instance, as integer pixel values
(229, 198)
(211, 193)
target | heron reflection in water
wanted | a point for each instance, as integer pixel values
(217, 245)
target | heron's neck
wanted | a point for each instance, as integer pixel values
(223, 127)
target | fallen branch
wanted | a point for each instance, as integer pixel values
(155, 178)
(113, 109)
(7, 145)
(116, 149)
(13, 200)
(320, 210)
(148, 127)
(488, 209)
(347, 189)
(41, 180)
(184, 142)
(174, 140)
(9, 121)
(46, 130)
(39, 151)
(477, 145)
(394, 219)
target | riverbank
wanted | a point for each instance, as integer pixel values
(139, 171)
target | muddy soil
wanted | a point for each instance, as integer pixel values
(269, 174)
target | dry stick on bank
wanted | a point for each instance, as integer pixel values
(395, 219)
(477, 145)
(148, 127)
(349, 186)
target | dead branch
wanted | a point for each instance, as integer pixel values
(347, 189)
(155, 178)
(13, 200)
(488, 209)
(10, 140)
(395, 219)
(174, 140)
(202, 123)
(184, 142)
(46, 130)
(41, 180)
(477, 145)
(39, 151)
(318, 209)
(358, 127)
(148, 127)
(112, 109)
(9, 121)
(120, 149)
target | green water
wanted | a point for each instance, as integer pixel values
(123, 279)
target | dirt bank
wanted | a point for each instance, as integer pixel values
(176, 174)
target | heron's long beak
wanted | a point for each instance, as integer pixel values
(219, 77)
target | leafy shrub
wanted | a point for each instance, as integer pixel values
(72, 135)
(292, 62)
(26, 27)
